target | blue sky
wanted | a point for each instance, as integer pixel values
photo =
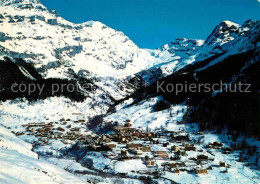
(152, 23)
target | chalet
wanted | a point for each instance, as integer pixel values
(145, 149)
(121, 139)
(136, 152)
(201, 171)
(111, 146)
(222, 164)
(161, 154)
(180, 164)
(107, 140)
(172, 165)
(142, 135)
(189, 147)
(215, 145)
(226, 150)
(218, 144)
(175, 148)
(150, 134)
(181, 152)
(209, 168)
(150, 163)
(110, 155)
(30, 129)
(164, 164)
(137, 134)
(75, 129)
(60, 129)
(202, 158)
(133, 146)
(165, 144)
(129, 125)
(123, 153)
(176, 171)
(19, 133)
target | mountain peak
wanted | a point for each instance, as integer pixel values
(182, 44)
(229, 23)
(224, 32)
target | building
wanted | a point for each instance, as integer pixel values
(202, 158)
(128, 125)
(111, 146)
(172, 165)
(201, 171)
(145, 149)
(189, 147)
(176, 171)
(181, 152)
(222, 164)
(136, 151)
(133, 146)
(161, 154)
(150, 163)
(175, 148)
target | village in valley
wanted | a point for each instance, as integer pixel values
(158, 154)
(136, 145)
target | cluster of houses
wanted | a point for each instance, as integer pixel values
(128, 143)
(55, 130)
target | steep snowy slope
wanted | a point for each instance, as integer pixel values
(20, 165)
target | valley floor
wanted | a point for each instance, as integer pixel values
(145, 146)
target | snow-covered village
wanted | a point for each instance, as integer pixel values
(161, 147)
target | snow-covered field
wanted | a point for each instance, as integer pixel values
(20, 165)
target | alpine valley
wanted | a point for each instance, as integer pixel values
(79, 103)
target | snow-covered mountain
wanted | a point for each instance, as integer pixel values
(63, 50)
(58, 47)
